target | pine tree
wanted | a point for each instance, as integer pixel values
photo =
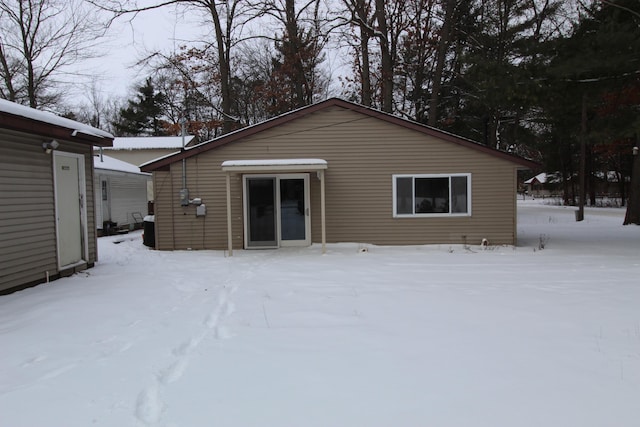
(143, 115)
(598, 63)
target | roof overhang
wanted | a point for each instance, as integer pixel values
(24, 119)
(274, 165)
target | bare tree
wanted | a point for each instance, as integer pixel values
(96, 109)
(360, 14)
(415, 62)
(227, 19)
(40, 41)
(189, 79)
(381, 25)
(443, 46)
(386, 69)
(296, 79)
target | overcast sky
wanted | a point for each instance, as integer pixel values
(129, 39)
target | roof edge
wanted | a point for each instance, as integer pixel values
(57, 127)
(164, 162)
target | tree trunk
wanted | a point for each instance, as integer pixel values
(365, 77)
(387, 63)
(592, 181)
(225, 69)
(633, 206)
(583, 155)
(622, 189)
(298, 77)
(443, 46)
(8, 75)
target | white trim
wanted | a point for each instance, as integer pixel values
(274, 165)
(82, 189)
(323, 221)
(307, 213)
(229, 223)
(430, 215)
(245, 214)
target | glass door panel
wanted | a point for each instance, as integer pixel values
(292, 209)
(261, 212)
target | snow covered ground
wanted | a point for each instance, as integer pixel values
(389, 336)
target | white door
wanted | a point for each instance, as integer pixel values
(277, 210)
(69, 193)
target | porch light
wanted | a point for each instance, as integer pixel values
(48, 147)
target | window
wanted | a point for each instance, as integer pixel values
(432, 195)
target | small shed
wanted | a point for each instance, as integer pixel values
(47, 199)
(121, 191)
(335, 171)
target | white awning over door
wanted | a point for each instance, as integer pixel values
(275, 166)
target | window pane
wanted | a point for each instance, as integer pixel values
(432, 195)
(262, 215)
(404, 195)
(459, 194)
(292, 209)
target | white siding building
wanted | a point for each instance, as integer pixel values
(121, 192)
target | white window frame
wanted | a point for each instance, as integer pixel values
(395, 177)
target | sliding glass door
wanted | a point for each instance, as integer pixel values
(277, 210)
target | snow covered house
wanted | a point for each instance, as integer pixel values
(141, 149)
(543, 184)
(121, 193)
(334, 171)
(47, 218)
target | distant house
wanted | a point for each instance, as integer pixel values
(335, 171)
(121, 191)
(603, 188)
(537, 186)
(142, 149)
(47, 199)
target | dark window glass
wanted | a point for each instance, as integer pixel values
(404, 195)
(459, 194)
(432, 195)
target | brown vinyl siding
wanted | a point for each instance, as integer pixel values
(27, 208)
(363, 153)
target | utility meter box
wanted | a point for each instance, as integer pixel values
(201, 210)
(184, 197)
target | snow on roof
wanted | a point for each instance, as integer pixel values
(149, 142)
(274, 162)
(109, 163)
(50, 118)
(541, 178)
(544, 178)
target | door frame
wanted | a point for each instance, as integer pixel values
(82, 191)
(307, 201)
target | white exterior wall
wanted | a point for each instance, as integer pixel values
(126, 194)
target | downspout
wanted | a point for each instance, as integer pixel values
(184, 161)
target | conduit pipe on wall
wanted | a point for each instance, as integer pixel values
(184, 192)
